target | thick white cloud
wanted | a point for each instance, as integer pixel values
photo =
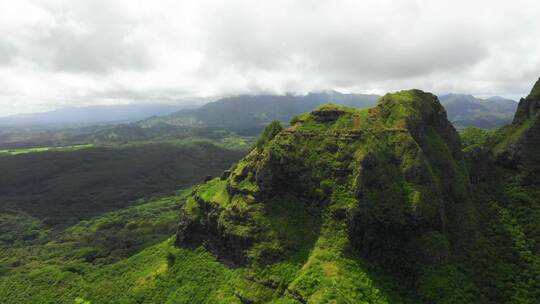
(80, 52)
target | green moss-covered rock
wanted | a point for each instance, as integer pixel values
(383, 181)
(377, 205)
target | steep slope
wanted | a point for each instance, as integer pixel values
(517, 146)
(340, 198)
(504, 174)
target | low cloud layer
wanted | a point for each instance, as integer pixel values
(74, 52)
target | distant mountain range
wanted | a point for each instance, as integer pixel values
(469, 111)
(245, 115)
(248, 114)
(85, 116)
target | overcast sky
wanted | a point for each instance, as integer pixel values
(74, 52)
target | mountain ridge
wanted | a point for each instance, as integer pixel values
(223, 114)
(469, 111)
(342, 188)
(250, 113)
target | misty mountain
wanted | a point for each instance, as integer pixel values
(243, 114)
(84, 116)
(248, 114)
(469, 111)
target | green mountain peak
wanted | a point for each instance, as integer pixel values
(340, 184)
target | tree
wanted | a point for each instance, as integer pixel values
(269, 133)
(474, 136)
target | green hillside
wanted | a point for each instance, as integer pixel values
(346, 205)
